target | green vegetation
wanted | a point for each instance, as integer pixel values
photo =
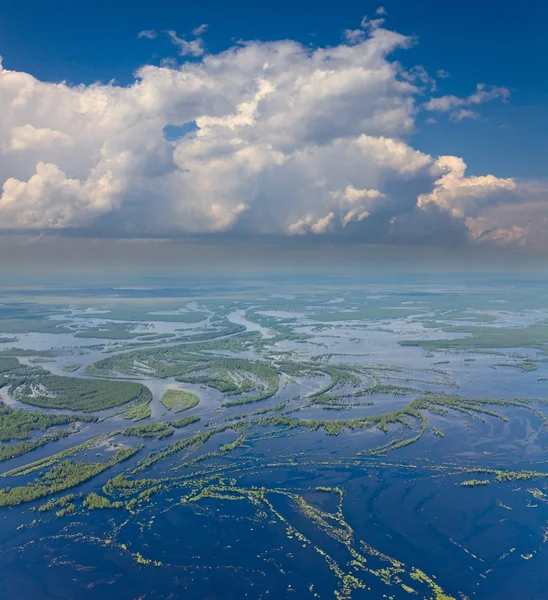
(135, 314)
(337, 377)
(11, 367)
(502, 476)
(194, 441)
(9, 451)
(138, 412)
(32, 325)
(110, 330)
(532, 336)
(56, 503)
(107, 334)
(69, 509)
(246, 367)
(184, 421)
(475, 482)
(154, 337)
(281, 328)
(71, 368)
(86, 395)
(95, 502)
(65, 475)
(44, 463)
(25, 352)
(327, 527)
(367, 312)
(233, 376)
(438, 404)
(262, 411)
(159, 430)
(527, 366)
(18, 424)
(41, 361)
(38, 387)
(179, 400)
(170, 361)
(336, 427)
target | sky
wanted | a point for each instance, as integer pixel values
(304, 124)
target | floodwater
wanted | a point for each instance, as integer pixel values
(485, 542)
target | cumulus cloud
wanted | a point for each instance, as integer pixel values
(310, 224)
(52, 200)
(460, 195)
(276, 138)
(358, 202)
(28, 137)
(455, 106)
(521, 223)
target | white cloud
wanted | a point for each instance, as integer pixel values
(50, 199)
(354, 36)
(322, 225)
(200, 30)
(442, 74)
(521, 223)
(371, 24)
(351, 195)
(484, 93)
(309, 224)
(289, 140)
(456, 106)
(444, 103)
(28, 137)
(381, 10)
(357, 203)
(147, 34)
(367, 28)
(464, 196)
(193, 48)
(463, 113)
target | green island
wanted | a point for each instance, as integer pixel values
(60, 477)
(17, 424)
(138, 412)
(532, 336)
(159, 430)
(38, 387)
(184, 421)
(71, 368)
(94, 501)
(179, 400)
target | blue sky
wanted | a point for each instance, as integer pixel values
(500, 43)
(424, 123)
